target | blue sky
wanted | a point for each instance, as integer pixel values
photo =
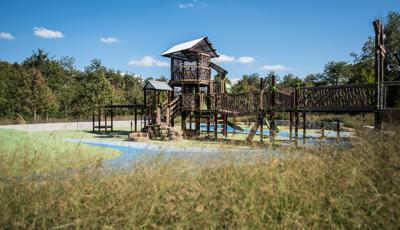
(254, 36)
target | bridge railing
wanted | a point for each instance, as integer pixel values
(240, 103)
(339, 98)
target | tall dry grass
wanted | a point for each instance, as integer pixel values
(307, 188)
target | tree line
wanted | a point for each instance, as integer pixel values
(41, 87)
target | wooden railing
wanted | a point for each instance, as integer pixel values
(354, 97)
(342, 98)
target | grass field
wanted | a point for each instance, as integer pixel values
(306, 188)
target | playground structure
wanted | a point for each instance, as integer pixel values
(194, 94)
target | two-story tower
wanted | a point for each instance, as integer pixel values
(191, 72)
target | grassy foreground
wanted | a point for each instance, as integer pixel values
(317, 188)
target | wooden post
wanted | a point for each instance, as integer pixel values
(105, 119)
(322, 129)
(234, 122)
(260, 116)
(338, 129)
(304, 124)
(379, 70)
(93, 121)
(208, 124)
(216, 125)
(135, 116)
(272, 113)
(290, 125)
(183, 121)
(296, 114)
(99, 113)
(144, 108)
(112, 117)
(225, 125)
(190, 121)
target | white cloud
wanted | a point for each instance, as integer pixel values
(245, 59)
(186, 5)
(46, 33)
(109, 40)
(227, 58)
(148, 61)
(6, 36)
(277, 67)
(235, 80)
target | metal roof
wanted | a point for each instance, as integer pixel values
(185, 50)
(157, 85)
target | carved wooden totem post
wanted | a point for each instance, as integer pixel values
(379, 70)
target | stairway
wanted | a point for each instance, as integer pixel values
(161, 128)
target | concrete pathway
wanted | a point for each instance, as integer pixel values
(63, 126)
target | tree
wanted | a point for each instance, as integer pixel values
(247, 83)
(42, 100)
(289, 80)
(336, 73)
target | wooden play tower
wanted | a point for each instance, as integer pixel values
(191, 76)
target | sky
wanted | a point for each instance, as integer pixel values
(287, 36)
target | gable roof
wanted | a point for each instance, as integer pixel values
(157, 85)
(185, 50)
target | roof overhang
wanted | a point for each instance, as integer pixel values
(187, 50)
(157, 86)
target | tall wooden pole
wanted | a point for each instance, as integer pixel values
(261, 113)
(112, 117)
(135, 116)
(272, 113)
(304, 125)
(93, 121)
(379, 70)
(99, 114)
(145, 107)
(296, 114)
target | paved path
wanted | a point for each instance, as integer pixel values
(62, 126)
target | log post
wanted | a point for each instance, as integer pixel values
(338, 129)
(105, 119)
(272, 113)
(112, 117)
(322, 129)
(144, 108)
(379, 71)
(290, 125)
(260, 116)
(304, 124)
(135, 111)
(215, 125)
(296, 114)
(99, 113)
(93, 121)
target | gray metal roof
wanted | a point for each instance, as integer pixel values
(187, 50)
(157, 85)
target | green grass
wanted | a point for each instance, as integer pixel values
(319, 188)
(48, 150)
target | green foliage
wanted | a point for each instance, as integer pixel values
(247, 83)
(42, 87)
